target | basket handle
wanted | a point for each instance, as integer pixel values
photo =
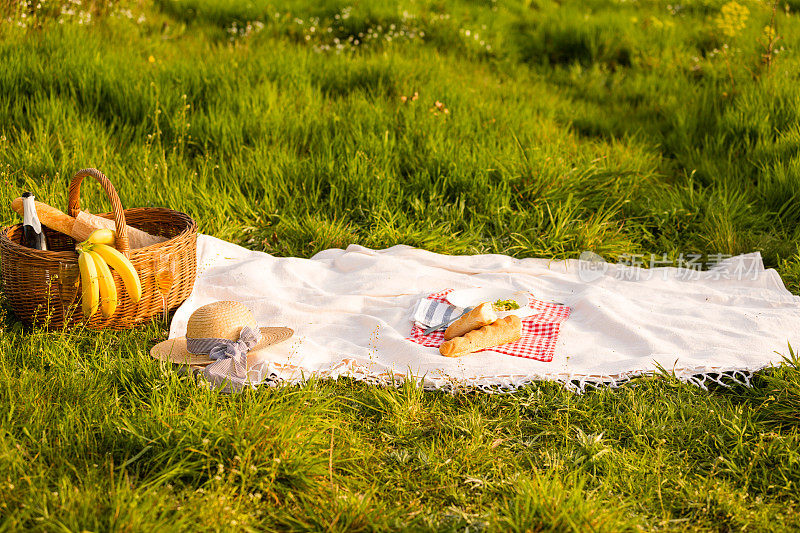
(74, 205)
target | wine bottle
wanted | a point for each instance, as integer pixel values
(32, 234)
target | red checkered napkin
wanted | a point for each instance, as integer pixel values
(539, 332)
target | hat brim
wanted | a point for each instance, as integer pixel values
(175, 350)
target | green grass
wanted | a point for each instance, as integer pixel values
(625, 128)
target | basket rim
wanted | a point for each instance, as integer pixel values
(71, 255)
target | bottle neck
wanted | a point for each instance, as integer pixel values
(29, 217)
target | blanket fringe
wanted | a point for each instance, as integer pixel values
(270, 374)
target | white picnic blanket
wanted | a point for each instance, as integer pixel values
(352, 310)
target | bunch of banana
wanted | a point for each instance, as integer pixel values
(95, 255)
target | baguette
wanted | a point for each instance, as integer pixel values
(508, 329)
(482, 315)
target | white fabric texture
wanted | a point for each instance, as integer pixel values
(352, 309)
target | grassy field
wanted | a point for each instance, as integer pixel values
(530, 127)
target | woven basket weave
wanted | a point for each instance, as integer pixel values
(43, 287)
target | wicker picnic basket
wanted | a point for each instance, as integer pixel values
(43, 287)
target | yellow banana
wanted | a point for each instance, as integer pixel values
(90, 288)
(120, 263)
(102, 236)
(108, 290)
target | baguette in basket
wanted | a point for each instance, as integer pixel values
(84, 224)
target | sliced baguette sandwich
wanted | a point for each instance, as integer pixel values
(482, 315)
(508, 329)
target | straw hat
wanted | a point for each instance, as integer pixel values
(217, 325)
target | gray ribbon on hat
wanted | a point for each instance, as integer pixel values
(230, 357)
